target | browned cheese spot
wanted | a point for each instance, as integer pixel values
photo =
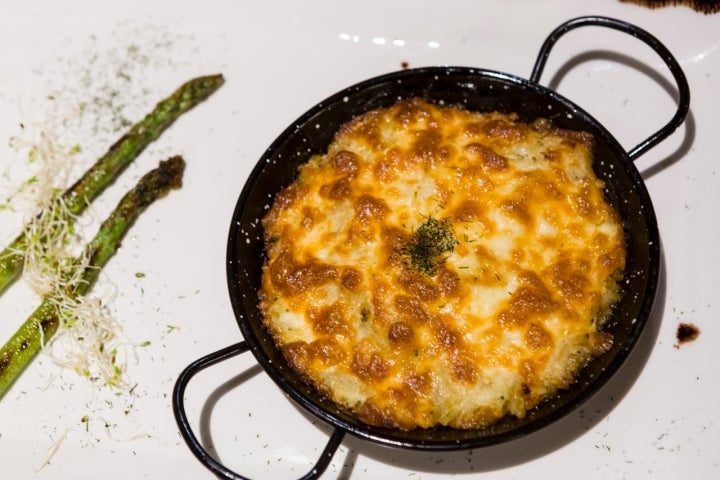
(283, 200)
(505, 131)
(570, 280)
(330, 321)
(448, 283)
(346, 163)
(469, 211)
(530, 298)
(419, 383)
(412, 310)
(326, 351)
(369, 366)
(537, 338)
(464, 370)
(418, 286)
(369, 213)
(518, 210)
(386, 170)
(400, 333)
(486, 156)
(292, 277)
(351, 279)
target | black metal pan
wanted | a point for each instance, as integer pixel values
(479, 90)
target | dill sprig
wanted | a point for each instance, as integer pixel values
(428, 245)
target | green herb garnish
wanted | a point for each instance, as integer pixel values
(427, 246)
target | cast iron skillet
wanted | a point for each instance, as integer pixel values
(480, 90)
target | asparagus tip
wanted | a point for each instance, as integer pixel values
(202, 87)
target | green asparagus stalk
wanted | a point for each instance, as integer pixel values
(42, 324)
(119, 155)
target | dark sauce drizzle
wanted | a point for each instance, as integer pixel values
(703, 6)
(686, 332)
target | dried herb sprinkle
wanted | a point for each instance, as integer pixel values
(427, 246)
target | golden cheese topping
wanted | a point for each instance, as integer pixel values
(442, 267)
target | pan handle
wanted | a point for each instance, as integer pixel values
(652, 42)
(186, 431)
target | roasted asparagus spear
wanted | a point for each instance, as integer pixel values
(17, 353)
(119, 155)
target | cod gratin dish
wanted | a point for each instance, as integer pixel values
(442, 267)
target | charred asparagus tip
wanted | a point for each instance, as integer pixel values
(42, 324)
(119, 155)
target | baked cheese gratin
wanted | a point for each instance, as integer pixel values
(442, 267)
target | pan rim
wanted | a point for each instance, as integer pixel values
(391, 437)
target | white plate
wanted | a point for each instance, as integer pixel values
(657, 419)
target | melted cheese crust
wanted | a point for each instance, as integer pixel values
(512, 313)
